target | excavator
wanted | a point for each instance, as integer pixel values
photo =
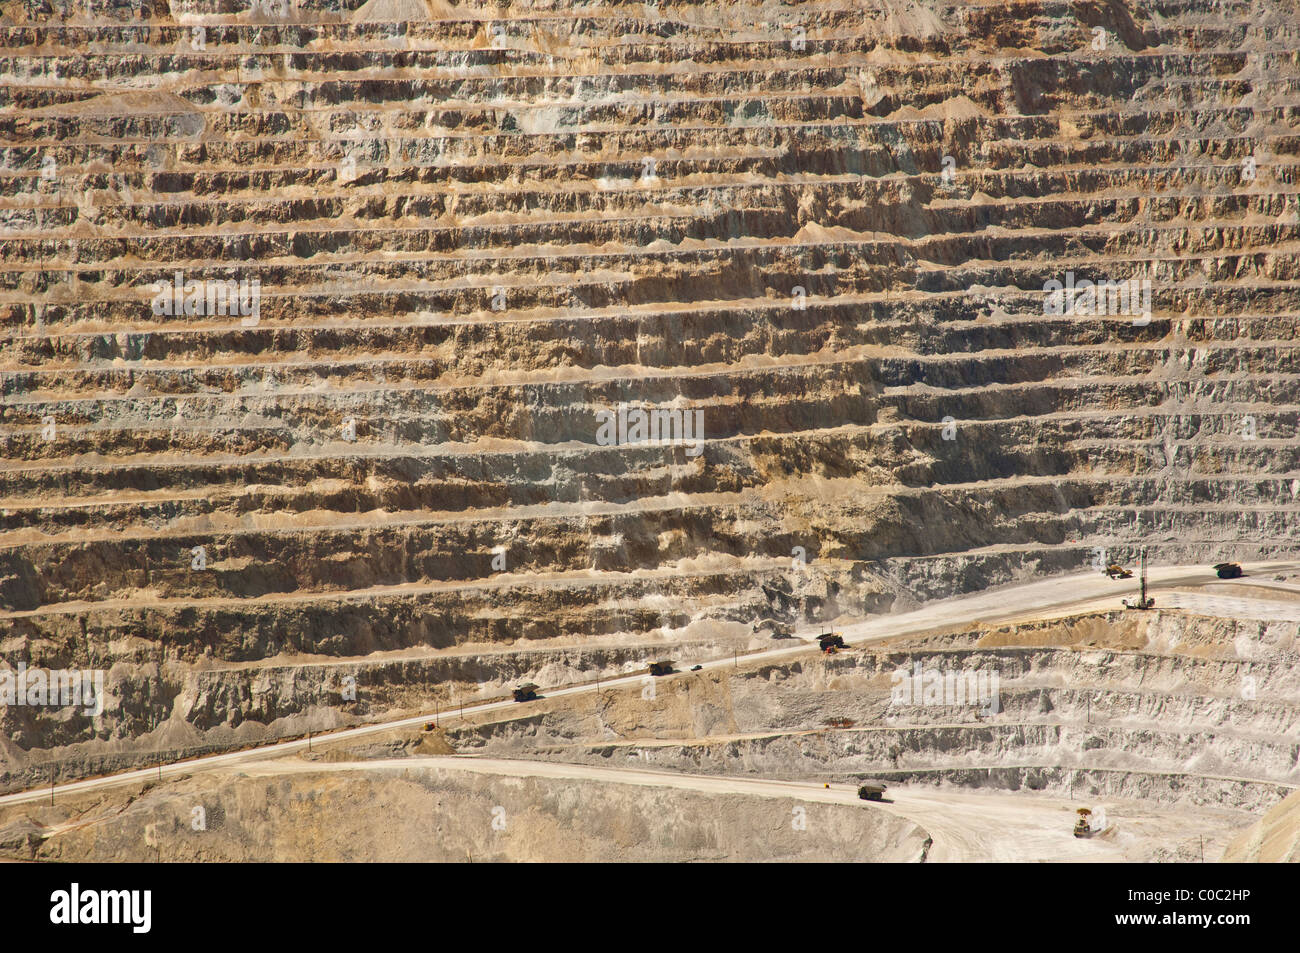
(1116, 571)
(831, 642)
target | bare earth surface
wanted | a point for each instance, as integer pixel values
(312, 538)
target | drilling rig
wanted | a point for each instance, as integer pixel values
(1144, 602)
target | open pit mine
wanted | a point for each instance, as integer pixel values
(680, 430)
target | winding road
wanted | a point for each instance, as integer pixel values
(984, 826)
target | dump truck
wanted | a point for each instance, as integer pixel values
(525, 692)
(1228, 570)
(872, 791)
(663, 667)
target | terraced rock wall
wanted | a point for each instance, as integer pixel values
(459, 235)
(1167, 707)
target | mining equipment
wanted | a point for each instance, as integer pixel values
(1144, 602)
(1228, 570)
(830, 642)
(1116, 571)
(1083, 827)
(872, 791)
(526, 692)
(664, 667)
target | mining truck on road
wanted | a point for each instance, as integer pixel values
(872, 791)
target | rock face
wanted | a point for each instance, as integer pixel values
(328, 328)
(1275, 838)
(1141, 716)
(1153, 707)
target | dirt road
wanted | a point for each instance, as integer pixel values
(1051, 597)
(963, 826)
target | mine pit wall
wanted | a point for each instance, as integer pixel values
(428, 814)
(1254, 797)
(742, 587)
(169, 695)
(592, 606)
(865, 535)
(828, 759)
(177, 711)
(1110, 708)
(1068, 428)
(1275, 838)
(1106, 692)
